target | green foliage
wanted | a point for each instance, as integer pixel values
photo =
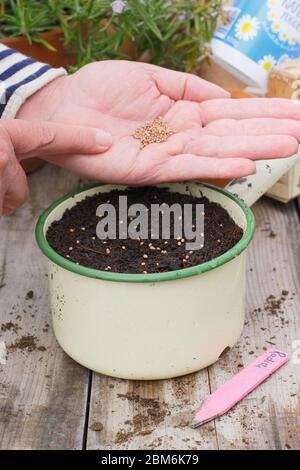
(171, 33)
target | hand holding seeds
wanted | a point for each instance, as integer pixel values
(206, 134)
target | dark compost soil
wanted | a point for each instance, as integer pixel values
(74, 236)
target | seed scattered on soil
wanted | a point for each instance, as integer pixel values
(153, 132)
(136, 255)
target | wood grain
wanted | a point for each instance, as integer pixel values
(42, 392)
(45, 397)
(269, 418)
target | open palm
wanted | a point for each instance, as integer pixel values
(214, 136)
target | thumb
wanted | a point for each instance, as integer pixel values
(48, 138)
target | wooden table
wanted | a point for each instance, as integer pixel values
(48, 401)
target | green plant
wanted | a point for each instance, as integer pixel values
(26, 18)
(172, 33)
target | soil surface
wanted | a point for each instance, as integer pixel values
(74, 236)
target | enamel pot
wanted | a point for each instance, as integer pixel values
(149, 326)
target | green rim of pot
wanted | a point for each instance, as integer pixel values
(154, 277)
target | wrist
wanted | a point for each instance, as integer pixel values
(44, 102)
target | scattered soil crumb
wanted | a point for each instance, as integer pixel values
(152, 413)
(272, 234)
(96, 426)
(26, 343)
(10, 326)
(29, 295)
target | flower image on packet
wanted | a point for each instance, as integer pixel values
(257, 36)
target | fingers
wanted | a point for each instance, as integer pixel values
(185, 86)
(254, 148)
(259, 126)
(188, 167)
(46, 138)
(278, 108)
(13, 184)
(17, 192)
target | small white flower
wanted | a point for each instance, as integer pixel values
(272, 15)
(293, 40)
(283, 36)
(247, 27)
(118, 6)
(276, 27)
(267, 62)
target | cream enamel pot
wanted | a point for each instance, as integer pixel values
(152, 326)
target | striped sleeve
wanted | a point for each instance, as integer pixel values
(21, 77)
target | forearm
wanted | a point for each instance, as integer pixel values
(20, 78)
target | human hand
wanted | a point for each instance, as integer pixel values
(214, 137)
(21, 139)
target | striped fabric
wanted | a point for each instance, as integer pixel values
(21, 77)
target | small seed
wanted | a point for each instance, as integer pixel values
(145, 256)
(77, 241)
(107, 251)
(70, 248)
(145, 272)
(93, 238)
(72, 230)
(143, 263)
(179, 243)
(123, 247)
(83, 228)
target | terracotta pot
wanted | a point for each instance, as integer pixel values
(38, 51)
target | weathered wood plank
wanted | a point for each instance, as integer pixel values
(121, 416)
(269, 418)
(147, 415)
(43, 392)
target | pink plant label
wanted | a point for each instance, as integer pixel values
(236, 388)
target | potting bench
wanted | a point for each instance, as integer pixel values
(48, 401)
